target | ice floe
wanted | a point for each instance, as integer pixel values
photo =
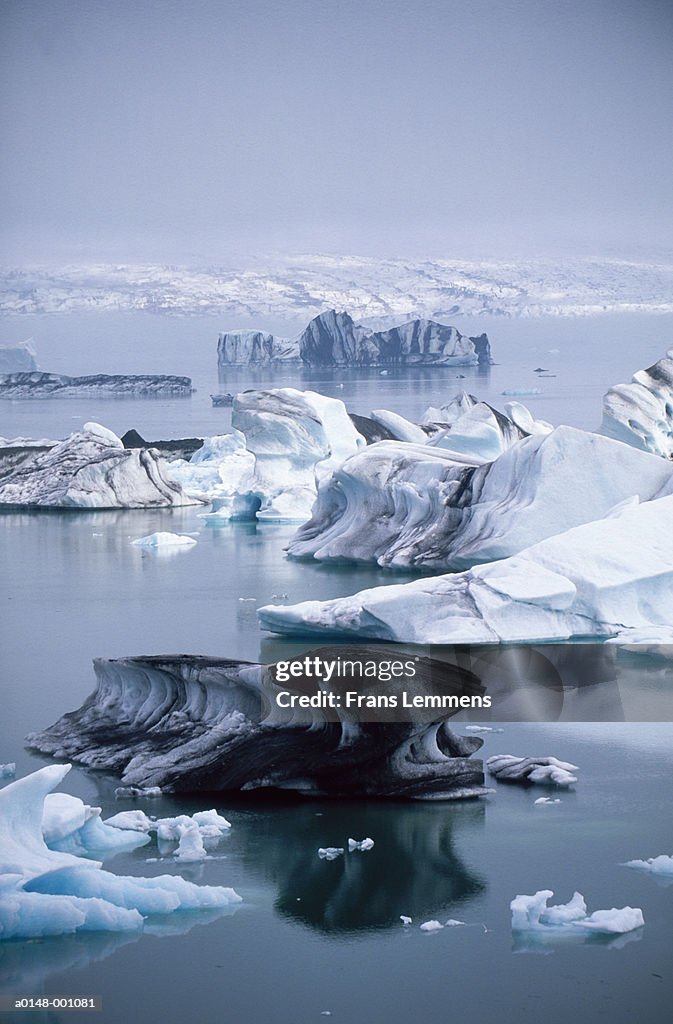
(164, 539)
(599, 579)
(362, 844)
(531, 913)
(90, 469)
(330, 852)
(431, 926)
(51, 892)
(547, 771)
(661, 865)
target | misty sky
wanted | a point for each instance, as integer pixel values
(159, 129)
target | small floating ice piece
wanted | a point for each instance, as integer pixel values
(661, 865)
(522, 392)
(125, 792)
(406, 921)
(164, 539)
(330, 852)
(431, 926)
(481, 728)
(8, 771)
(190, 845)
(363, 844)
(546, 800)
(531, 913)
(453, 923)
(545, 770)
(135, 821)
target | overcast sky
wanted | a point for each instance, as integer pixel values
(169, 128)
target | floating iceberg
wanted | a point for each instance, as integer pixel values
(187, 831)
(334, 339)
(90, 469)
(531, 913)
(8, 771)
(57, 385)
(431, 926)
(547, 771)
(362, 844)
(641, 413)
(661, 865)
(330, 852)
(164, 540)
(193, 723)
(49, 892)
(601, 579)
(284, 440)
(403, 505)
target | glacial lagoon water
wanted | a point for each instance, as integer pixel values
(314, 936)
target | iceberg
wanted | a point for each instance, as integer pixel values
(431, 926)
(641, 413)
(164, 539)
(330, 852)
(544, 770)
(362, 844)
(188, 723)
(428, 507)
(531, 913)
(601, 579)
(661, 865)
(284, 441)
(57, 385)
(334, 339)
(8, 771)
(50, 892)
(91, 469)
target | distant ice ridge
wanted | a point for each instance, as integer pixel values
(599, 579)
(90, 469)
(641, 413)
(47, 891)
(432, 507)
(334, 339)
(531, 913)
(284, 441)
(19, 358)
(57, 385)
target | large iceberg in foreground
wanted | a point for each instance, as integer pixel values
(600, 579)
(284, 440)
(47, 892)
(430, 507)
(531, 913)
(641, 413)
(90, 469)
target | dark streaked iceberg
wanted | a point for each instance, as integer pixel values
(334, 339)
(90, 469)
(187, 723)
(58, 385)
(641, 413)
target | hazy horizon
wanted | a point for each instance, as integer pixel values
(167, 130)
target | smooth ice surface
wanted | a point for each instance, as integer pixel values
(600, 579)
(50, 892)
(531, 913)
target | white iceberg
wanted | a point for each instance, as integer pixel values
(47, 892)
(187, 831)
(601, 579)
(284, 442)
(164, 539)
(90, 469)
(406, 921)
(548, 771)
(483, 431)
(400, 428)
(661, 865)
(432, 507)
(641, 413)
(330, 852)
(431, 926)
(531, 913)
(544, 801)
(362, 844)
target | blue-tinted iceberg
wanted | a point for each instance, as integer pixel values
(47, 891)
(600, 579)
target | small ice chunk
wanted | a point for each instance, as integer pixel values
(406, 921)
(661, 865)
(431, 926)
(190, 845)
(136, 821)
(210, 822)
(8, 771)
(546, 800)
(453, 923)
(126, 792)
(614, 921)
(330, 852)
(164, 539)
(531, 913)
(362, 844)
(545, 770)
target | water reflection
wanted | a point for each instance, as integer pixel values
(413, 869)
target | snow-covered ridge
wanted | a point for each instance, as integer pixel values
(302, 285)
(187, 723)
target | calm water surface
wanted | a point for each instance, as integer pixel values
(313, 936)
